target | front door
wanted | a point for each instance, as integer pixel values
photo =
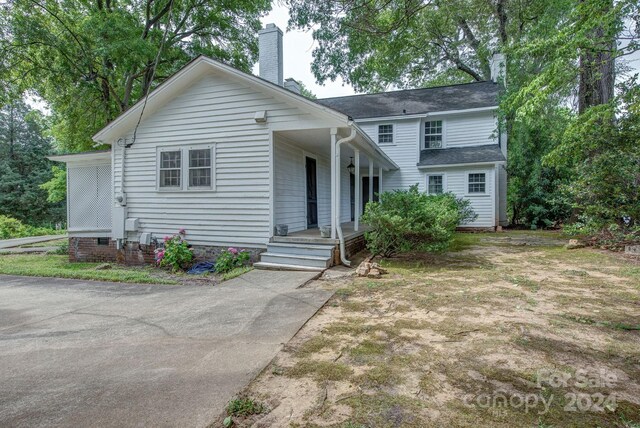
(365, 190)
(312, 192)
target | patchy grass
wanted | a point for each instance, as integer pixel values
(58, 266)
(234, 273)
(54, 243)
(244, 406)
(462, 338)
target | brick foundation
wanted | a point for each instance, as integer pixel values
(352, 246)
(133, 254)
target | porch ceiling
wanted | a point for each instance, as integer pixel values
(319, 141)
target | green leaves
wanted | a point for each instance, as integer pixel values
(92, 61)
(409, 220)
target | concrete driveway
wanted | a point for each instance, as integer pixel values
(80, 353)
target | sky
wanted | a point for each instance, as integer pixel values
(297, 47)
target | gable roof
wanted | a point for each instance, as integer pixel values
(188, 74)
(417, 101)
(461, 155)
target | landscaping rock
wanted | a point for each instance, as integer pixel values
(574, 244)
(370, 270)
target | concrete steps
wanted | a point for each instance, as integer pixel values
(294, 256)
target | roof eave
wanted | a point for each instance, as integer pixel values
(463, 164)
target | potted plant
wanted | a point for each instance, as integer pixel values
(325, 231)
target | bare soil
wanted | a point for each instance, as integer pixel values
(509, 330)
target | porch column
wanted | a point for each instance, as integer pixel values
(334, 131)
(370, 179)
(357, 198)
(379, 181)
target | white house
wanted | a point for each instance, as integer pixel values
(228, 156)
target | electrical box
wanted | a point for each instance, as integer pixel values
(145, 239)
(118, 215)
(132, 225)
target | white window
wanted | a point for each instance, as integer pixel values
(477, 183)
(385, 134)
(435, 184)
(433, 134)
(200, 168)
(170, 169)
(191, 165)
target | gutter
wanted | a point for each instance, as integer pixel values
(341, 141)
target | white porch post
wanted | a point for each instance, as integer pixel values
(334, 131)
(379, 181)
(370, 179)
(357, 198)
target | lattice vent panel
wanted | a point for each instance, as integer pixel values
(89, 197)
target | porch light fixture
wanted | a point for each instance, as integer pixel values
(351, 167)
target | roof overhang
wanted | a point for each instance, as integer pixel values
(458, 165)
(428, 114)
(194, 70)
(103, 155)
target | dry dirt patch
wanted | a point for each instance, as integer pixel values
(512, 330)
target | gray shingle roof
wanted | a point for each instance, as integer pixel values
(416, 101)
(461, 155)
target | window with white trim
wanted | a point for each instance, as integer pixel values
(385, 134)
(200, 168)
(477, 182)
(170, 169)
(435, 184)
(186, 168)
(433, 134)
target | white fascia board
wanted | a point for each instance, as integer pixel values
(423, 115)
(458, 165)
(190, 73)
(104, 156)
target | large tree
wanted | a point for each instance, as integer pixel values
(91, 60)
(24, 167)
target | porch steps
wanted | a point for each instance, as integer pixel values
(293, 256)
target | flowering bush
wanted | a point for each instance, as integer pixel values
(175, 253)
(230, 259)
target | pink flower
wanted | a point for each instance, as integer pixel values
(233, 251)
(182, 231)
(166, 238)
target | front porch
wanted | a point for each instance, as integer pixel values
(312, 235)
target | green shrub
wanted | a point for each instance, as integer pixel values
(409, 220)
(230, 259)
(175, 253)
(12, 228)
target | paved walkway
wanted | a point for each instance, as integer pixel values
(81, 353)
(10, 243)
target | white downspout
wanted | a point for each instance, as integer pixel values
(341, 141)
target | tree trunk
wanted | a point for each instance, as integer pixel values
(597, 67)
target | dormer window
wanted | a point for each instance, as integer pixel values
(385, 134)
(433, 134)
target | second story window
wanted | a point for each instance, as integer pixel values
(385, 134)
(433, 134)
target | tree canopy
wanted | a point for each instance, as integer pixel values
(90, 61)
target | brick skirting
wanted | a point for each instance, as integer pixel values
(83, 249)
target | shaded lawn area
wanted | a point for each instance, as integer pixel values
(58, 266)
(465, 339)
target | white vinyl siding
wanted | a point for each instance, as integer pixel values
(482, 203)
(219, 111)
(473, 129)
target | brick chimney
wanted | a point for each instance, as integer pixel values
(270, 54)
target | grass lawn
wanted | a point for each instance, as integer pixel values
(58, 266)
(510, 329)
